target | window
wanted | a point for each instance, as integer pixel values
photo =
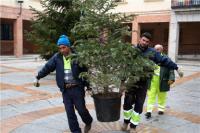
(6, 32)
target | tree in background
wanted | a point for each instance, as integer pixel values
(58, 17)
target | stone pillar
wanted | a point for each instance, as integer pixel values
(18, 37)
(135, 31)
(173, 38)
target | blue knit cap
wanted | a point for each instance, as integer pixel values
(63, 40)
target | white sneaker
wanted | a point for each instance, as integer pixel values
(124, 127)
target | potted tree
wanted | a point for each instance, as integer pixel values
(112, 63)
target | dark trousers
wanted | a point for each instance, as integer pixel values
(135, 97)
(74, 97)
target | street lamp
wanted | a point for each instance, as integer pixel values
(20, 3)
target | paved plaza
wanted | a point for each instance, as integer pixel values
(28, 109)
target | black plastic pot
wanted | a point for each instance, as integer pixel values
(107, 106)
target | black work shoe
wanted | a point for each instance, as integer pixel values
(148, 115)
(87, 128)
(160, 112)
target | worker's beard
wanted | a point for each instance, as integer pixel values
(143, 48)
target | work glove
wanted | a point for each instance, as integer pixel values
(36, 82)
(180, 72)
(170, 82)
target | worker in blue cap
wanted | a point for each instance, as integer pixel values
(70, 84)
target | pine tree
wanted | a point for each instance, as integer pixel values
(97, 33)
(100, 46)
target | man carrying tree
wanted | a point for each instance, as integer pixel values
(135, 96)
(70, 84)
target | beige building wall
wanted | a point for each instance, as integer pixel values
(142, 6)
(147, 12)
(26, 4)
(184, 34)
(11, 13)
(165, 23)
(151, 15)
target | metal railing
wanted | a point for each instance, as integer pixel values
(185, 3)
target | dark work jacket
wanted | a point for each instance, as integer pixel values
(56, 63)
(158, 58)
(165, 75)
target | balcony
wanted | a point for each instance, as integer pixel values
(177, 4)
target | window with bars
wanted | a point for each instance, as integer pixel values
(185, 3)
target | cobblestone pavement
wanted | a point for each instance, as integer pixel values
(27, 109)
